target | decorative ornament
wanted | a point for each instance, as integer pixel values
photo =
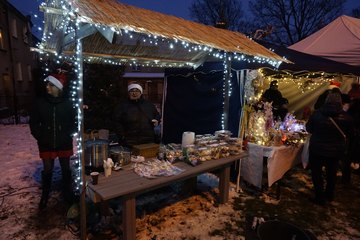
(253, 84)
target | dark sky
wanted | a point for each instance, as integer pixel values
(179, 8)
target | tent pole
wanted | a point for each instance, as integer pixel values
(227, 79)
(79, 57)
(242, 81)
(163, 107)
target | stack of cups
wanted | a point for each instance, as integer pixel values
(188, 138)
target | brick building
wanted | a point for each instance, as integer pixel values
(16, 61)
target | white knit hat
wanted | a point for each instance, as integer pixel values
(135, 85)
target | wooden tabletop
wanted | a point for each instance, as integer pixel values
(127, 182)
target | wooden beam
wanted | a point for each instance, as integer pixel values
(46, 9)
(119, 57)
(84, 31)
(108, 34)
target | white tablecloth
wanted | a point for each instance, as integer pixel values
(280, 160)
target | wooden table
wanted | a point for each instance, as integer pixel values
(127, 184)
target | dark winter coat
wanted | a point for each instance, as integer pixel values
(326, 140)
(52, 123)
(132, 121)
(274, 96)
(354, 150)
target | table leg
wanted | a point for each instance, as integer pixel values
(224, 184)
(129, 218)
(238, 175)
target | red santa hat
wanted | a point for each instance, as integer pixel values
(334, 84)
(58, 80)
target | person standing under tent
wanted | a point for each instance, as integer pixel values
(354, 92)
(333, 87)
(52, 124)
(346, 161)
(354, 149)
(273, 95)
(330, 127)
(135, 118)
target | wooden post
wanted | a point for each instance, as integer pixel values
(227, 80)
(79, 57)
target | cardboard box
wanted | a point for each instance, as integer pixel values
(147, 150)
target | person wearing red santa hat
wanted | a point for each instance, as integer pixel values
(334, 86)
(52, 124)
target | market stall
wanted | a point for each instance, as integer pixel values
(109, 32)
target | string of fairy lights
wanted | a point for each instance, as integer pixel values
(71, 23)
(305, 81)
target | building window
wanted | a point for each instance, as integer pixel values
(29, 73)
(2, 45)
(14, 28)
(18, 72)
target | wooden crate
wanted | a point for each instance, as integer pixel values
(147, 150)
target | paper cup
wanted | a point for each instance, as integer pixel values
(94, 177)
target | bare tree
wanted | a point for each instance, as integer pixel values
(292, 20)
(356, 12)
(221, 13)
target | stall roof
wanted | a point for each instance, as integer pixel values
(304, 62)
(114, 30)
(338, 41)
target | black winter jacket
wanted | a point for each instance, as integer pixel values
(132, 120)
(274, 96)
(52, 123)
(326, 139)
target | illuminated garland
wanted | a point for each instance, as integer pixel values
(305, 81)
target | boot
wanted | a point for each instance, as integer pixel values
(67, 189)
(46, 185)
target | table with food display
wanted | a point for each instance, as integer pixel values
(276, 144)
(168, 164)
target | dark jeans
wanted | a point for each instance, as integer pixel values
(67, 190)
(317, 162)
(64, 164)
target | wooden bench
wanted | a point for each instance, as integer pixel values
(127, 184)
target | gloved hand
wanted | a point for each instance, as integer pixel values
(155, 122)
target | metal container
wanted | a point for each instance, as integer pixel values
(96, 151)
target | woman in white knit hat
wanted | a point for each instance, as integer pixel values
(135, 118)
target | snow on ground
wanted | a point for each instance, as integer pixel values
(168, 213)
(19, 190)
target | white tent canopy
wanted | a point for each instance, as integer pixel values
(338, 41)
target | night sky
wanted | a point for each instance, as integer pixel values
(171, 7)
